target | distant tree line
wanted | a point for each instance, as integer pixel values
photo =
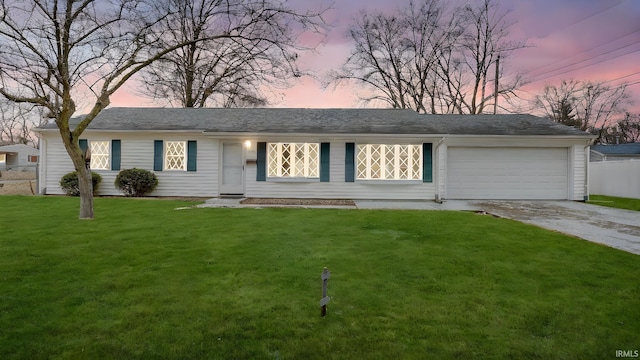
(593, 107)
(432, 57)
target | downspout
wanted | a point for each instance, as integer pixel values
(41, 173)
(438, 198)
(587, 155)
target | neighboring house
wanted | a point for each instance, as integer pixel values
(615, 152)
(330, 153)
(18, 157)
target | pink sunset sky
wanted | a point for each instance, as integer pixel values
(596, 40)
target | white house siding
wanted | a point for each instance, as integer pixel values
(337, 188)
(137, 151)
(579, 162)
(57, 163)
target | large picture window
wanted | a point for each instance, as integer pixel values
(100, 155)
(294, 160)
(389, 162)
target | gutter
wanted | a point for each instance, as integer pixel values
(438, 196)
(587, 155)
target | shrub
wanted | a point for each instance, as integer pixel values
(69, 183)
(136, 182)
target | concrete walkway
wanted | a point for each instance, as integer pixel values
(458, 205)
(616, 228)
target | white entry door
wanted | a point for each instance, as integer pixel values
(232, 172)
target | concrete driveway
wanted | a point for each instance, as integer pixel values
(617, 228)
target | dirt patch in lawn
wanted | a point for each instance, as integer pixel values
(17, 182)
(298, 202)
(18, 188)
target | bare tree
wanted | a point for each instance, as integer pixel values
(432, 33)
(396, 55)
(17, 122)
(603, 107)
(430, 57)
(380, 59)
(559, 102)
(223, 71)
(628, 129)
(56, 53)
(12, 123)
(483, 43)
(590, 106)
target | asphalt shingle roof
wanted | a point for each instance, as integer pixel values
(323, 121)
(621, 149)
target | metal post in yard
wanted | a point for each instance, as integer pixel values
(325, 299)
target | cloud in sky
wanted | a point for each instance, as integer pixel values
(581, 39)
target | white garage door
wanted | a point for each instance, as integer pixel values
(507, 173)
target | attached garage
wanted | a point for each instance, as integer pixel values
(507, 173)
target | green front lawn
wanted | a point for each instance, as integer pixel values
(615, 202)
(143, 280)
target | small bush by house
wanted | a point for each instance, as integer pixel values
(136, 182)
(69, 183)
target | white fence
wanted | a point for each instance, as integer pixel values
(615, 178)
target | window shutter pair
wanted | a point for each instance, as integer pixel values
(116, 152)
(427, 162)
(158, 155)
(261, 162)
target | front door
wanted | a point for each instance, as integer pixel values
(232, 172)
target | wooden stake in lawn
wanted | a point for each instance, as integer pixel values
(325, 299)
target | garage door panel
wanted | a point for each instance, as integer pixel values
(507, 173)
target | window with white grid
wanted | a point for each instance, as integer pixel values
(100, 155)
(175, 155)
(389, 162)
(295, 160)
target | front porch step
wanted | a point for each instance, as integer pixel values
(226, 200)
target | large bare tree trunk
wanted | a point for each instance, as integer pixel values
(84, 175)
(86, 193)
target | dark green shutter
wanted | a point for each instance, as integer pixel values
(84, 144)
(349, 161)
(192, 155)
(427, 162)
(115, 154)
(261, 163)
(158, 149)
(324, 162)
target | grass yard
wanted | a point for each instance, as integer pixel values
(144, 281)
(615, 202)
